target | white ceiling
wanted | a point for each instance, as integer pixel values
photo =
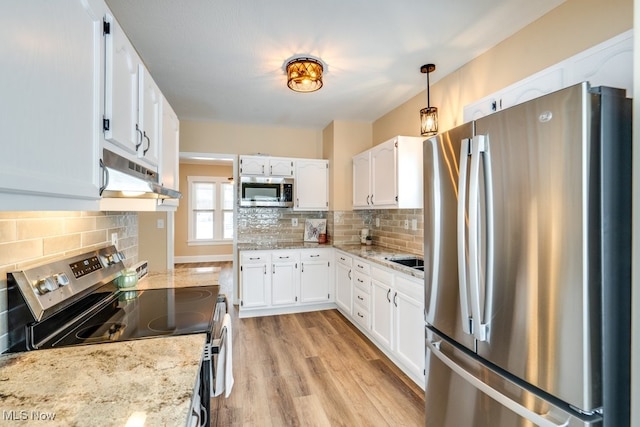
(222, 60)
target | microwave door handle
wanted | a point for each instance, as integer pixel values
(462, 241)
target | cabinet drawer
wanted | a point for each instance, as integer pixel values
(283, 256)
(361, 315)
(344, 259)
(361, 266)
(361, 280)
(314, 255)
(382, 276)
(361, 297)
(254, 257)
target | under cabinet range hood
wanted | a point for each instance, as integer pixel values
(123, 178)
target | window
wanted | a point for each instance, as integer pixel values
(210, 210)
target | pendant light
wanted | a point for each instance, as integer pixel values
(429, 115)
(304, 74)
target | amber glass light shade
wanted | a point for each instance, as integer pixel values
(304, 74)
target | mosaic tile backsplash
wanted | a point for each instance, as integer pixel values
(35, 237)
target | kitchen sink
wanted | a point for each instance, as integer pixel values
(409, 261)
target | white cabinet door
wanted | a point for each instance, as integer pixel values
(281, 167)
(344, 286)
(149, 116)
(121, 90)
(314, 281)
(361, 181)
(252, 165)
(255, 279)
(381, 312)
(50, 113)
(384, 174)
(409, 332)
(168, 169)
(284, 278)
(312, 185)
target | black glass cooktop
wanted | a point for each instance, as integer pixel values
(136, 314)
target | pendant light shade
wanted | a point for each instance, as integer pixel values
(304, 74)
(429, 115)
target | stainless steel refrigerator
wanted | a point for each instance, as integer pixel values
(527, 254)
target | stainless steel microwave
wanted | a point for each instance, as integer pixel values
(266, 191)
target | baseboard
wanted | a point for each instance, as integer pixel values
(202, 258)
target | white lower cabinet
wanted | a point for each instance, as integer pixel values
(315, 275)
(255, 276)
(344, 283)
(388, 307)
(284, 278)
(286, 281)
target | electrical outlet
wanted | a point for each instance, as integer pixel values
(414, 224)
(114, 239)
(294, 222)
(160, 223)
(377, 222)
(406, 224)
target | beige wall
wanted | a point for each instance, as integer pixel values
(182, 249)
(567, 30)
(152, 245)
(341, 141)
(230, 138)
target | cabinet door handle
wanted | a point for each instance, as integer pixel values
(273, 269)
(271, 170)
(284, 257)
(388, 293)
(105, 172)
(302, 267)
(349, 274)
(360, 315)
(342, 258)
(368, 195)
(360, 298)
(395, 299)
(360, 280)
(254, 258)
(144, 152)
(265, 269)
(372, 199)
(138, 144)
(314, 256)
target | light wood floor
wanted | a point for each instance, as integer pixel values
(313, 369)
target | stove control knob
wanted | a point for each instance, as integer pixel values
(61, 279)
(46, 285)
(112, 259)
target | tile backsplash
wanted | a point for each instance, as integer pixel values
(386, 227)
(29, 238)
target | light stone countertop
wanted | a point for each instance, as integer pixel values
(108, 384)
(374, 253)
(102, 384)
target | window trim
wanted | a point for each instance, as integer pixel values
(218, 212)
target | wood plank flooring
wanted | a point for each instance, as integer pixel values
(312, 369)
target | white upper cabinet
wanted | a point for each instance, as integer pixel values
(149, 116)
(169, 166)
(133, 102)
(266, 166)
(50, 81)
(121, 89)
(311, 185)
(607, 64)
(389, 175)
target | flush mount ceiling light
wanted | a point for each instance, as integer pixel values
(304, 74)
(429, 115)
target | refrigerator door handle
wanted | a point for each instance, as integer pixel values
(462, 240)
(538, 419)
(479, 148)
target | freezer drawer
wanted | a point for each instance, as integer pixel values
(462, 391)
